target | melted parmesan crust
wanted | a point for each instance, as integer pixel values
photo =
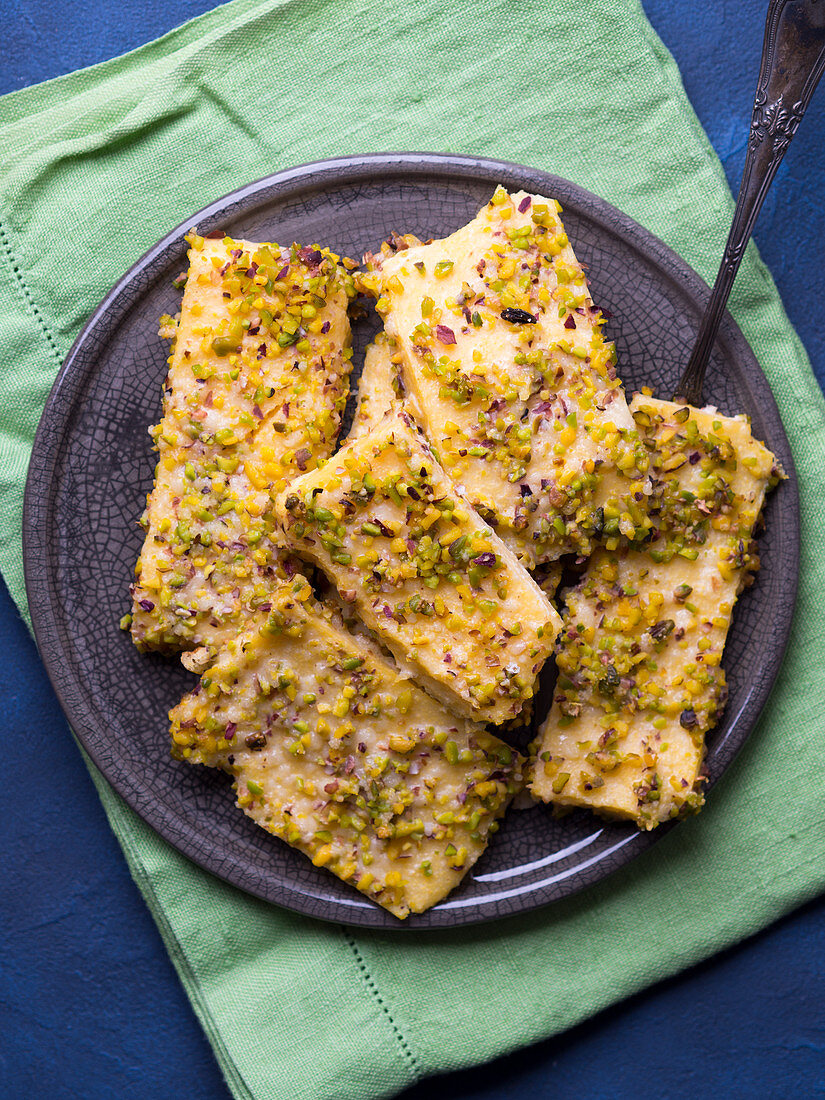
(423, 571)
(257, 382)
(346, 760)
(503, 352)
(640, 680)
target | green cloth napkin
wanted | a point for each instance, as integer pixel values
(112, 158)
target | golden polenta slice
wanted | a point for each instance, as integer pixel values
(257, 382)
(378, 386)
(423, 570)
(503, 352)
(346, 760)
(640, 680)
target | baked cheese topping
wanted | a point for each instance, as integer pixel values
(346, 760)
(640, 680)
(423, 570)
(257, 383)
(502, 350)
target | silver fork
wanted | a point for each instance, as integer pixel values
(793, 59)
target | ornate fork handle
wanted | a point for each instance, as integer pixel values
(793, 59)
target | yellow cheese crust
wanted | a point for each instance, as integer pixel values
(640, 680)
(423, 571)
(503, 352)
(257, 383)
(349, 762)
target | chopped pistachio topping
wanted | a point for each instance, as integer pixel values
(435, 583)
(502, 350)
(346, 760)
(257, 383)
(639, 657)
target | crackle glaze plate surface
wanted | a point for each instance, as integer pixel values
(92, 466)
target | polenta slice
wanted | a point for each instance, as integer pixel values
(640, 680)
(503, 352)
(257, 383)
(423, 570)
(378, 387)
(346, 760)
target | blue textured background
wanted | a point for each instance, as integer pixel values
(90, 1006)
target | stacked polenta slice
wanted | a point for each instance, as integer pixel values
(502, 353)
(257, 382)
(491, 440)
(640, 679)
(332, 746)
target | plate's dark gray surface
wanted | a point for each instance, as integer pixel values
(92, 466)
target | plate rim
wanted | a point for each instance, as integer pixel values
(37, 556)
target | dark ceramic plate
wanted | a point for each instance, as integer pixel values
(92, 465)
